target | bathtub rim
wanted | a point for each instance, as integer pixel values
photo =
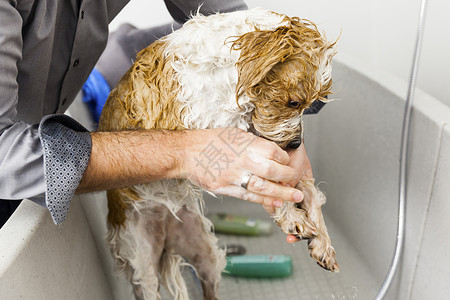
(17, 232)
(430, 106)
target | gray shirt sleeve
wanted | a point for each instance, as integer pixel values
(181, 10)
(43, 162)
(20, 148)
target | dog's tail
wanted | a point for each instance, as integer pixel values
(171, 277)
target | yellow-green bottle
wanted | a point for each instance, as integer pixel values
(232, 224)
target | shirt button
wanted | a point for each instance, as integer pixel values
(76, 62)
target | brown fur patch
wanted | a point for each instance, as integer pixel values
(145, 96)
(267, 56)
(116, 208)
(143, 99)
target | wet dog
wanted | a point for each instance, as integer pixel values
(255, 70)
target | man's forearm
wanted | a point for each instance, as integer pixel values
(207, 158)
(125, 158)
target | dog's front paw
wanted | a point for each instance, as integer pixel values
(295, 221)
(322, 252)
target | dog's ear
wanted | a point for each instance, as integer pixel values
(260, 50)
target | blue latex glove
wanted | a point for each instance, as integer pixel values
(95, 93)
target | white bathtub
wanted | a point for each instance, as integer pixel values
(353, 144)
(354, 147)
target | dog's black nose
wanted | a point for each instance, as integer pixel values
(295, 144)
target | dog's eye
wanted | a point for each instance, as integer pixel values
(293, 104)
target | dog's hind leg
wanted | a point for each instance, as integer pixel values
(193, 239)
(150, 234)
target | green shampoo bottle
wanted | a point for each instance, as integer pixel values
(259, 266)
(239, 225)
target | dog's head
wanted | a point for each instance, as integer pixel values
(283, 71)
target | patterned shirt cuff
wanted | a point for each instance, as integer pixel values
(67, 148)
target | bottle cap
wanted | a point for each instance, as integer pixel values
(265, 227)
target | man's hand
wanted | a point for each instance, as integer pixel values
(217, 160)
(298, 160)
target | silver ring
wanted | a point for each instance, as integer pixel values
(245, 179)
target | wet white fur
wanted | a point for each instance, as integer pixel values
(205, 67)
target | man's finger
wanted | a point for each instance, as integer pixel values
(291, 239)
(263, 187)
